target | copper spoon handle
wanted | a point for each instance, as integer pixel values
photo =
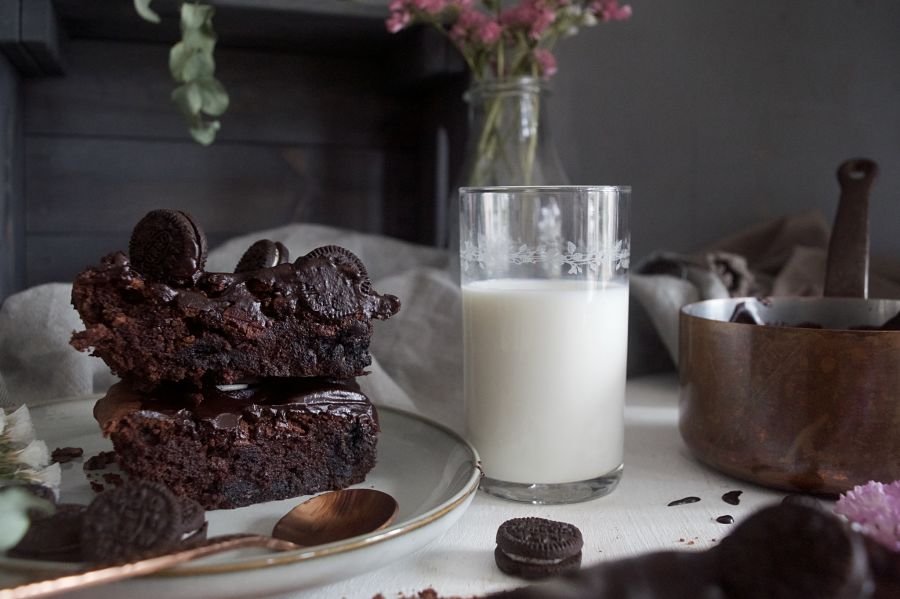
(95, 577)
(847, 272)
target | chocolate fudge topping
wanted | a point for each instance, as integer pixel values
(225, 410)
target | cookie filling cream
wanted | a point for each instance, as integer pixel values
(532, 560)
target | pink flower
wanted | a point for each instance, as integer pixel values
(398, 20)
(874, 510)
(474, 26)
(533, 15)
(546, 61)
(431, 7)
(609, 10)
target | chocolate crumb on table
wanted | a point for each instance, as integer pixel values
(64, 455)
(100, 461)
(683, 501)
(428, 593)
(732, 497)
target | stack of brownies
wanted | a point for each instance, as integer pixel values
(236, 387)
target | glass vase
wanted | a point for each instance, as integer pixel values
(509, 144)
(509, 141)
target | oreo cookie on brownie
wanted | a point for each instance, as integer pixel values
(534, 548)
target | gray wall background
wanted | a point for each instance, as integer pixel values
(722, 114)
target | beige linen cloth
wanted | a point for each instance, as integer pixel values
(417, 363)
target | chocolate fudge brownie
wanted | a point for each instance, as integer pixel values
(276, 439)
(156, 316)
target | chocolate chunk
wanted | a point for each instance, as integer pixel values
(133, 520)
(167, 246)
(66, 454)
(789, 551)
(56, 537)
(114, 479)
(263, 254)
(732, 497)
(100, 461)
(533, 548)
(726, 519)
(683, 501)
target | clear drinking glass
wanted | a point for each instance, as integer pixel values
(544, 275)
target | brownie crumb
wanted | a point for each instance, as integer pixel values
(428, 593)
(100, 461)
(113, 479)
(64, 455)
(97, 487)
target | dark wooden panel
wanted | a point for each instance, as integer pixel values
(337, 27)
(122, 90)
(88, 185)
(12, 220)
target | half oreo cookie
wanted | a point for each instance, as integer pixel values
(534, 548)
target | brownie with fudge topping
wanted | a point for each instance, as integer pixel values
(274, 439)
(156, 316)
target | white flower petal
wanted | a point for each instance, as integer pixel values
(35, 455)
(51, 476)
(19, 429)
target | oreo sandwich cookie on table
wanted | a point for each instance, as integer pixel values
(534, 548)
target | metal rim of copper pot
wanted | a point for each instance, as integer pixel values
(792, 407)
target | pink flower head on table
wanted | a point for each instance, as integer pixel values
(874, 510)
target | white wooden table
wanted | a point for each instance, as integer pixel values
(633, 519)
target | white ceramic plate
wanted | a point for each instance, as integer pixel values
(431, 471)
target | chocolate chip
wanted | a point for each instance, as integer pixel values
(130, 521)
(263, 254)
(732, 497)
(100, 461)
(683, 501)
(167, 246)
(64, 455)
(726, 519)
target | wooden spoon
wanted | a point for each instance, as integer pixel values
(323, 519)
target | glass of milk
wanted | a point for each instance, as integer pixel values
(544, 274)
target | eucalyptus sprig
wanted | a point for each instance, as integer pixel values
(200, 96)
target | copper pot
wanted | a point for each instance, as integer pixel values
(804, 409)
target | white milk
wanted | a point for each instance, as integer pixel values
(545, 377)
